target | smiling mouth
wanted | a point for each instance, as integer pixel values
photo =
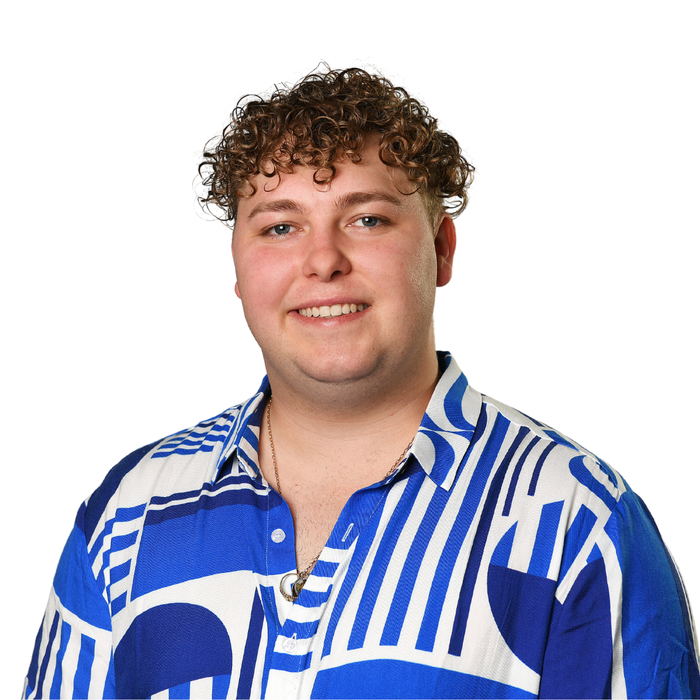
(332, 311)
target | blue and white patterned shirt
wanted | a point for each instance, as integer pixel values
(500, 560)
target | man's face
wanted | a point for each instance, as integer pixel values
(338, 283)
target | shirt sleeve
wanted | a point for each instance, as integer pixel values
(624, 628)
(73, 650)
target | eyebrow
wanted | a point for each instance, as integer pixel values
(278, 205)
(351, 199)
(354, 199)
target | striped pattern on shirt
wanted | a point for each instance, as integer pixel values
(500, 560)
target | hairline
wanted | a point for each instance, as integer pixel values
(434, 208)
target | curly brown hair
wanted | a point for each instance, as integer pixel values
(327, 117)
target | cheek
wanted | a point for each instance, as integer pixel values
(252, 268)
(263, 279)
(247, 281)
(409, 278)
(421, 270)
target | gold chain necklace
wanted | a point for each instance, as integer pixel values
(302, 576)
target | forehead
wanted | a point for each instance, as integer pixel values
(352, 184)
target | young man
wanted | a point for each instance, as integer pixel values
(367, 525)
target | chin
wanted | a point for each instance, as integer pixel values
(338, 374)
(333, 367)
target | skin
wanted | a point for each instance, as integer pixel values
(349, 391)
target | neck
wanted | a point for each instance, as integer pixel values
(309, 429)
(342, 444)
(334, 445)
(347, 411)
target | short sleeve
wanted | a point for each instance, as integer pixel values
(625, 626)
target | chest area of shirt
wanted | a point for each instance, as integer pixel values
(399, 578)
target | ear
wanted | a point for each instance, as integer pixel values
(445, 244)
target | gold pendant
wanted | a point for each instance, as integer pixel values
(298, 585)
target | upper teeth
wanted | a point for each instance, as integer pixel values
(335, 310)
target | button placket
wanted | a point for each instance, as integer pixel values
(279, 554)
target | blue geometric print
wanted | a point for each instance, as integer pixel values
(192, 442)
(159, 641)
(486, 565)
(576, 537)
(578, 468)
(546, 537)
(391, 678)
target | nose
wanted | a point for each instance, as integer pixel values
(326, 257)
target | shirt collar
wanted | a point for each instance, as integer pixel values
(442, 440)
(244, 434)
(448, 425)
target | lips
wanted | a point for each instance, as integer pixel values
(332, 311)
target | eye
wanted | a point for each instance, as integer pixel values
(280, 229)
(369, 221)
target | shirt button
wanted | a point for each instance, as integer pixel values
(278, 535)
(289, 644)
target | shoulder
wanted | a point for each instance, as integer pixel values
(177, 463)
(563, 531)
(543, 466)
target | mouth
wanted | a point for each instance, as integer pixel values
(332, 311)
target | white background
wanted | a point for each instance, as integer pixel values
(576, 289)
